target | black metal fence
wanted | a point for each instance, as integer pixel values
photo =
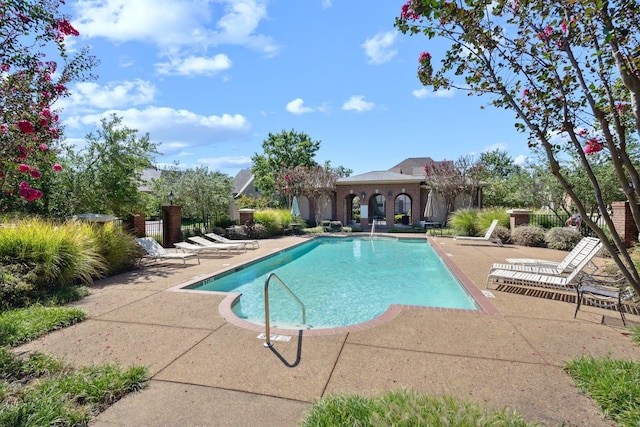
(551, 220)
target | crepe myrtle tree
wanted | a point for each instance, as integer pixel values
(35, 68)
(452, 179)
(569, 70)
(317, 183)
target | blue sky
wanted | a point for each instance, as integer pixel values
(209, 79)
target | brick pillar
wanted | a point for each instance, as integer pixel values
(623, 222)
(136, 225)
(171, 223)
(518, 217)
(246, 216)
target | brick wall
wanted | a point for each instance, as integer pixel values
(623, 222)
(171, 222)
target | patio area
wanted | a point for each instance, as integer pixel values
(206, 370)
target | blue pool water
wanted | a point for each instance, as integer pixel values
(343, 281)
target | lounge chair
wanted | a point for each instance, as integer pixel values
(537, 280)
(156, 251)
(567, 264)
(193, 248)
(205, 243)
(582, 250)
(221, 239)
(607, 292)
(488, 237)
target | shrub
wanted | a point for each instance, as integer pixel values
(503, 233)
(464, 222)
(258, 231)
(486, 217)
(274, 220)
(58, 254)
(562, 238)
(119, 249)
(16, 287)
(528, 235)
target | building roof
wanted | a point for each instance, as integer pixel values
(388, 177)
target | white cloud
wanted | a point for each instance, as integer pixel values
(521, 160)
(221, 163)
(497, 146)
(113, 95)
(297, 107)
(193, 65)
(188, 24)
(379, 48)
(357, 103)
(326, 4)
(427, 93)
(175, 130)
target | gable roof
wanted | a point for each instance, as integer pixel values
(388, 177)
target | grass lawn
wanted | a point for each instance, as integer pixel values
(39, 390)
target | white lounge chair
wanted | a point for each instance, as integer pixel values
(193, 248)
(156, 251)
(523, 278)
(567, 264)
(582, 250)
(221, 239)
(205, 243)
(488, 237)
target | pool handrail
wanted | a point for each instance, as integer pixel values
(267, 324)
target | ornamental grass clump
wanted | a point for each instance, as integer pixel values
(562, 238)
(528, 235)
(57, 255)
(465, 222)
(119, 250)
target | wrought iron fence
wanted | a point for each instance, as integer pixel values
(551, 220)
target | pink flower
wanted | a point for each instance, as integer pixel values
(593, 146)
(43, 147)
(425, 57)
(26, 126)
(57, 167)
(408, 13)
(582, 132)
(4, 128)
(22, 152)
(5, 68)
(35, 173)
(24, 168)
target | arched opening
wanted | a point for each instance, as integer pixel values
(402, 209)
(378, 206)
(352, 210)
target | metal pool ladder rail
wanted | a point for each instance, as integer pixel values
(268, 342)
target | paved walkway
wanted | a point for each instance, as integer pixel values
(207, 371)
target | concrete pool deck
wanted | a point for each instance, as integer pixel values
(208, 371)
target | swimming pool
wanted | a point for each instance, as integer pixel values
(343, 281)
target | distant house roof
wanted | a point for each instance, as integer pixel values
(380, 176)
(147, 176)
(243, 184)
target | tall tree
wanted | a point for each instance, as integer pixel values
(453, 180)
(567, 68)
(285, 149)
(35, 68)
(510, 185)
(105, 176)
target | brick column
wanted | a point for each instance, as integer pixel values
(136, 224)
(518, 217)
(171, 223)
(246, 216)
(623, 222)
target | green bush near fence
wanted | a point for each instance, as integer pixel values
(562, 238)
(275, 221)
